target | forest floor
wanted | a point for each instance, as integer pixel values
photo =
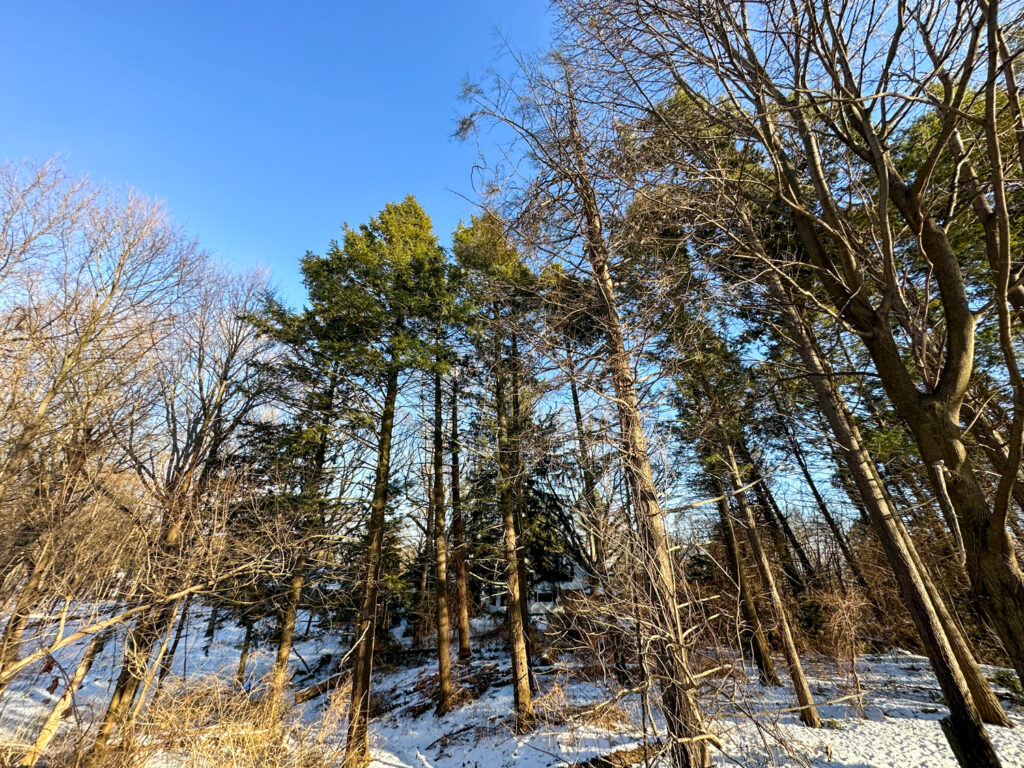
(582, 713)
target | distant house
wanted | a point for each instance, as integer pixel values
(545, 596)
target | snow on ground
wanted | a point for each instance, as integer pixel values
(577, 718)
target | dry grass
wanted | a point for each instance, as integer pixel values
(210, 724)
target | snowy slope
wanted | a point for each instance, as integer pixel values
(578, 718)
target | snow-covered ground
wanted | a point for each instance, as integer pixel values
(578, 717)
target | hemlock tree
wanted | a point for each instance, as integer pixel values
(377, 291)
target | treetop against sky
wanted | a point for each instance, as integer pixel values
(264, 126)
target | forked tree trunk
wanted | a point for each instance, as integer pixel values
(445, 693)
(138, 647)
(458, 536)
(751, 632)
(808, 712)
(357, 747)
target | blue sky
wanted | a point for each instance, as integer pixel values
(263, 126)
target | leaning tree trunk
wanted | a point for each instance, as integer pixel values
(808, 712)
(826, 514)
(445, 694)
(17, 621)
(751, 631)
(138, 647)
(66, 701)
(243, 656)
(688, 737)
(782, 531)
(357, 747)
(964, 730)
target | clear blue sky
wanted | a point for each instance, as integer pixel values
(263, 126)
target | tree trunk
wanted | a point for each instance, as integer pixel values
(17, 622)
(524, 717)
(168, 661)
(211, 629)
(826, 514)
(591, 501)
(458, 536)
(966, 731)
(138, 647)
(782, 531)
(243, 657)
(66, 701)
(445, 695)
(518, 469)
(357, 748)
(683, 718)
(808, 713)
(420, 617)
(286, 632)
(751, 632)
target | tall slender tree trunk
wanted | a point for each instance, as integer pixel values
(518, 467)
(826, 514)
(458, 535)
(688, 747)
(445, 693)
(357, 747)
(808, 712)
(591, 501)
(426, 557)
(751, 632)
(964, 728)
(419, 627)
(778, 523)
(524, 717)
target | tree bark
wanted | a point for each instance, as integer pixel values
(524, 717)
(678, 687)
(808, 712)
(445, 693)
(751, 630)
(357, 747)
(782, 531)
(966, 727)
(458, 536)
(66, 701)
(243, 657)
(826, 514)
(286, 632)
